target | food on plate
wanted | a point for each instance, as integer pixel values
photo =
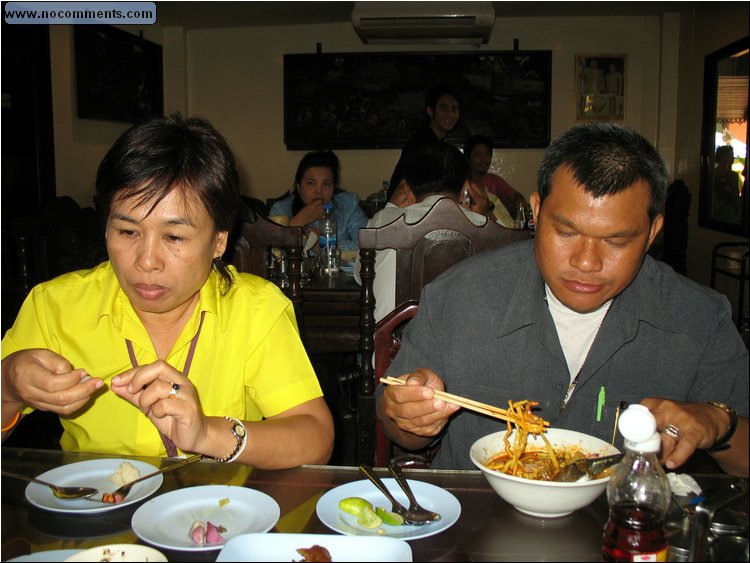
(126, 473)
(388, 517)
(223, 502)
(314, 553)
(113, 498)
(363, 510)
(206, 533)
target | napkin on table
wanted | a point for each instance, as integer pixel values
(683, 484)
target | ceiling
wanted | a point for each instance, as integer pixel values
(197, 15)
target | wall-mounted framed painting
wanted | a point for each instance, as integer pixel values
(376, 100)
(118, 74)
(600, 87)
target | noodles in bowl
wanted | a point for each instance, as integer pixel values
(539, 465)
(547, 499)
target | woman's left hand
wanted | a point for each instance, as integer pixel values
(168, 399)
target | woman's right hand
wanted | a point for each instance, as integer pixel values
(310, 213)
(44, 380)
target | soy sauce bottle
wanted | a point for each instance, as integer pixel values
(638, 494)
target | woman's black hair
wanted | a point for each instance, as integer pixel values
(162, 154)
(323, 159)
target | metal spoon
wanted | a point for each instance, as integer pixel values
(414, 506)
(58, 491)
(410, 517)
(585, 469)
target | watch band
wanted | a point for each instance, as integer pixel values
(240, 434)
(722, 443)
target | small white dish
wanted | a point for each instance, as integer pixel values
(165, 521)
(92, 473)
(283, 547)
(119, 552)
(52, 555)
(429, 496)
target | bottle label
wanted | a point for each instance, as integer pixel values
(327, 242)
(660, 555)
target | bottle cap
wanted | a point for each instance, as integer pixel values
(638, 426)
(328, 206)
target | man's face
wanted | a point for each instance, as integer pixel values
(590, 249)
(445, 115)
(480, 159)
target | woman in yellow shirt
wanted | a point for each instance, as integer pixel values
(165, 347)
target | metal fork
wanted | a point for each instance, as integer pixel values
(410, 517)
(414, 507)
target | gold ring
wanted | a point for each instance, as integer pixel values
(173, 392)
(673, 432)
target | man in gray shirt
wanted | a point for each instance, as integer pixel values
(580, 308)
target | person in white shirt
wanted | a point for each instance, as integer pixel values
(430, 173)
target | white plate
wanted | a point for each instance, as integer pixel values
(119, 552)
(92, 473)
(429, 496)
(165, 521)
(283, 547)
(49, 555)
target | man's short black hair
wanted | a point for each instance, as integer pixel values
(435, 168)
(605, 159)
(475, 140)
(436, 92)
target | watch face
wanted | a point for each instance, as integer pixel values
(239, 430)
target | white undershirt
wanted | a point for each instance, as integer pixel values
(576, 331)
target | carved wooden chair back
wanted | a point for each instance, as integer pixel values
(252, 253)
(425, 249)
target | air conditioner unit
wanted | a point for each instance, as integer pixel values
(423, 22)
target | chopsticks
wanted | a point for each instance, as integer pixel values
(463, 402)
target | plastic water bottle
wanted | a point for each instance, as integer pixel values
(638, 494)
(329, 248)
(520, 221)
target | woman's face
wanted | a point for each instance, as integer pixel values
(162, 258)
(316, 184)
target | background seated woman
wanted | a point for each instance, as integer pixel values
(315, 184)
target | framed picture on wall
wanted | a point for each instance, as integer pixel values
(600, 87)
(376, 100)
(118, 74)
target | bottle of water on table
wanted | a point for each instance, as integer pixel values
(329, 261)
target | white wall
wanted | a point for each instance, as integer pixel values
(234, 77)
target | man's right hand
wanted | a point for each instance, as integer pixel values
(412, 415)
(44, 380)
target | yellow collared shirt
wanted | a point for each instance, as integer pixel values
(249, 362)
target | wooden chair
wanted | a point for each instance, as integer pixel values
(442, 238)
(387, 340)
(251, 252)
